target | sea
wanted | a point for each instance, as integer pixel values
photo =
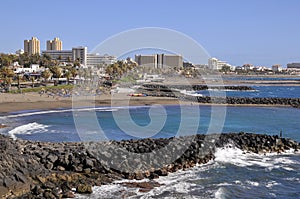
(232, 174)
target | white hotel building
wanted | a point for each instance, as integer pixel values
(80, 54)
(96, 60)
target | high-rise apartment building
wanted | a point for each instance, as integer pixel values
(160, 60)
(55, 44)
(32, 46)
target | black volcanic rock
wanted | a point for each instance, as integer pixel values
(50, 170)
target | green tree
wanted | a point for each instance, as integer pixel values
(56, 71)
(7, 60)
(74, 72)
(225, 69)
(46, 74)
(46, 60)
(24, 59)
(7, 74)
(35, 59)
(32, 81)
(68, 75)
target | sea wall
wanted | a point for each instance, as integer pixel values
(50, 170)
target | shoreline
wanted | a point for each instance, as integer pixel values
(80, 166)
(11, 107)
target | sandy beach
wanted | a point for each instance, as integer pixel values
(34, 101)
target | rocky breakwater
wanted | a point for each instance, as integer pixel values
(159, 90)
(195, 87)
(56, 170)
(294, 102)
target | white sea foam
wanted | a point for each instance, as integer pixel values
(235, 156)
(252, 183)
(62, 111)
(182, 182)
(108, 191)
(191, 93)
(28, 129)
(272, 183)
(220, 193)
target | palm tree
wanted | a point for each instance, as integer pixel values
(46, 74)
(56, 71)
(32, 81)
(74, 72)
(7, 75)
(35, 59)
(68, 74)
(46, 60)
(24, 59)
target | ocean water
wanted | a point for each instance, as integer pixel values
(259, 91)
(261, 78)
(118, 123)
(233, 173)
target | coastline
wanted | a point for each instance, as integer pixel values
(33, 101)
(56, 170)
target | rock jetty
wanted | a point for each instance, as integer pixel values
(158, 90)
(31, 169)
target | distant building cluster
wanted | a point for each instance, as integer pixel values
(161, 61)
(80, 56)
(55, 51)
(215, 64)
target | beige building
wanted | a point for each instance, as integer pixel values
(32, 46)
(159, 60)
(55, 44)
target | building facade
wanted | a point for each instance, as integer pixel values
(76, 54)
(32, 46)
(293, 65)
(215, 64)
(60, 55)
(96, 60)
(159, 60)
(80, 54)
(55, 44)
(277, 68)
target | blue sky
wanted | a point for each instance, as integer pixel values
(261, 32)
